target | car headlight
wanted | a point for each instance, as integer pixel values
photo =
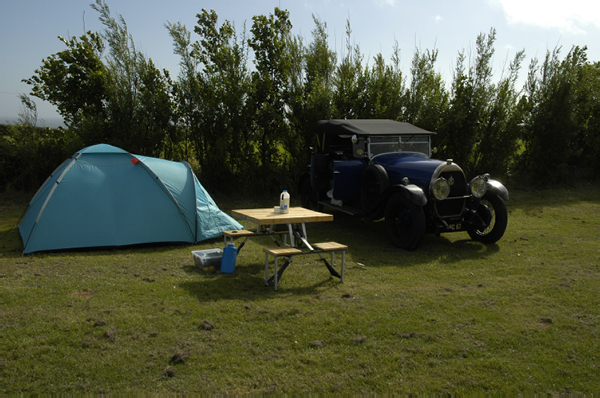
(478, 186)
(441, 189)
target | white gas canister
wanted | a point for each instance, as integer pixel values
(284, 202)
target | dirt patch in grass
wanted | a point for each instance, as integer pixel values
(86, 294)
(180, 356)
(207, 325)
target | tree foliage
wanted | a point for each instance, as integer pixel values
(561, 123)
(311, 97)
(426, 98)
(74, 80)
(270, 41)
(138, 107)
(243, 107)
(28, 153)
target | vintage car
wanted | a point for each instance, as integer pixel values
(382, 168)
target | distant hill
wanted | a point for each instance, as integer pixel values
(50, 122)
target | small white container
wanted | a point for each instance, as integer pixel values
(208, 260)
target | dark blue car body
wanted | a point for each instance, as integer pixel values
(382, 168)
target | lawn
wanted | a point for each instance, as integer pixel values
(454, 316)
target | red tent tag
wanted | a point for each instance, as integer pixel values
(135, 161)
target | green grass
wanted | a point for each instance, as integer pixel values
(455, 316)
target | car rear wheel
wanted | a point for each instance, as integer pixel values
(309, 197)
(404, 222)
(494, 207)
(373, 182)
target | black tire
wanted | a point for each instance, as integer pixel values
(309, 197)
(373, 182)
(493, 205)
(404, 222)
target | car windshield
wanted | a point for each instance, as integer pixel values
(387, 144)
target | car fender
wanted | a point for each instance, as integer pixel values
(412, 192)
(497, 188)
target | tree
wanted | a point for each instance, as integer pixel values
(553, 123)
(270, 39)
(255, 128)
(75, 80)
(465, 121)
(224, 146)
(427, 97)
(297, 141)
(312, 94)
(123, 101)
(138, 107)
(496, 148)
(385, 91)
(320, 59)
(349, 82)
(186, 90)
(588, 118)
(28, 154)
(456, 135)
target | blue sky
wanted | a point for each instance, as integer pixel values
(29, 30)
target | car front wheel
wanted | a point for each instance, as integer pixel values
(494, 207)
(404, 222)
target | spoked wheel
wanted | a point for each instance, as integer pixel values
(494, 208)
(404, 222)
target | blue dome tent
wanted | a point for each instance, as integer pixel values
(105, 196)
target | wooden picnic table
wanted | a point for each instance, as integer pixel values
(297, 216)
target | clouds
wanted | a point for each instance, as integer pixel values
(573, 16)
(385, 3)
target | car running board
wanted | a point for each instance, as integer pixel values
(344, 209)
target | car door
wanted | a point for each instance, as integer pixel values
(346, 179)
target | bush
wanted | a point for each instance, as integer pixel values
(29, 154)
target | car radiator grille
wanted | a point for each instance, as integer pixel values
(454, 204)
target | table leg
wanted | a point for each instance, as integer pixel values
(266, 269)
(305, 240)
(343, 263)
(275, 280)
(291, 234)
(332, 271)
(332, 258)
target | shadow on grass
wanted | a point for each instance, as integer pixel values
(244, 284)
(368, 242)
(247, 282)
(14, 248)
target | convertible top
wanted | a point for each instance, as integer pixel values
(368, 127)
